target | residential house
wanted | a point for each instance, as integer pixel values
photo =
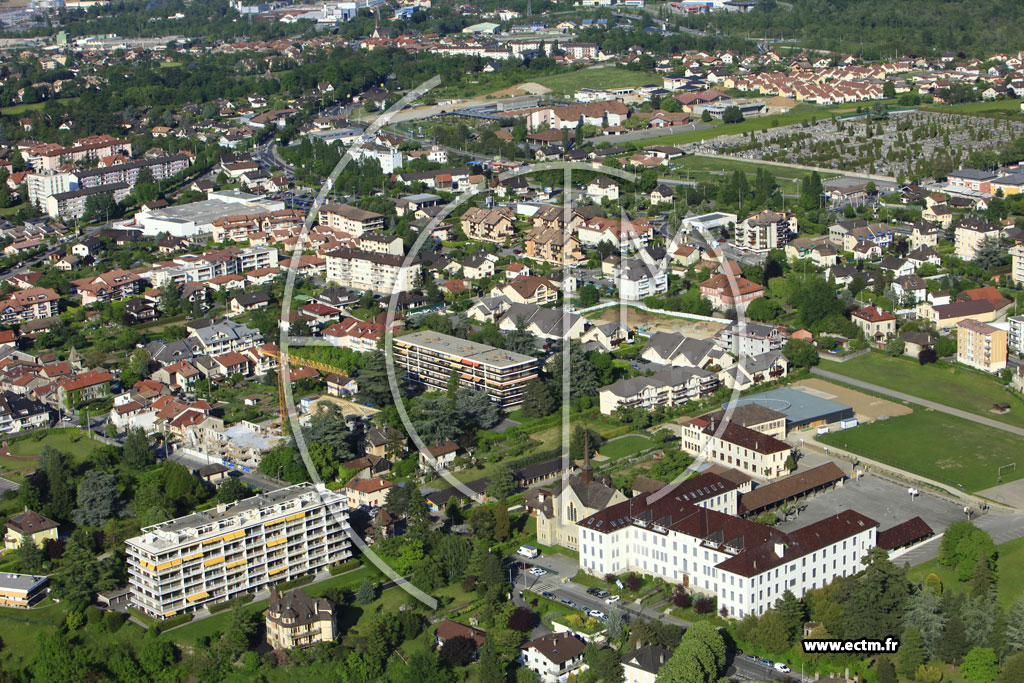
(530, 289)
(671, 348)
(878, 325)
(249, 301)
(971, 233)
(34, 303)
(643, 664)
(29, 524)
(296, 620)
(553, 657)
(371, 492)
(669, 387)
(727, 293)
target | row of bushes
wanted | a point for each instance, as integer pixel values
(344, 567)
(168, 624)
(233, 602)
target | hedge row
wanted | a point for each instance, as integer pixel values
(233, 602)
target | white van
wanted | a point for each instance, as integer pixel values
(528, 551)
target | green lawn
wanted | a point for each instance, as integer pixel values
(705, 168)
(798, 114)
(993, 107)
(22, 108)
(601, 77)
(938, 446)
(629, 445)
(74, 442)
(19, 629)
(952, 385)
(1010, 572)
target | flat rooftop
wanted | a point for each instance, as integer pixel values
(21, 582)
(205, 211)
(213, 522)
(799, 407)
(472, 351)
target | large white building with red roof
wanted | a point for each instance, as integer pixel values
(689, 533)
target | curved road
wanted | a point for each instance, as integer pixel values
(956, 412)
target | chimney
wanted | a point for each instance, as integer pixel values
(780, 549)
(221, 508)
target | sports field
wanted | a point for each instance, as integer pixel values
(949, 384)
(947, 449)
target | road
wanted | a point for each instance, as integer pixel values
(1001, 526)
(956, 412)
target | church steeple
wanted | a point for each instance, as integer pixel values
(587, 472)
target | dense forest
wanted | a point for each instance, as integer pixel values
(882, 29)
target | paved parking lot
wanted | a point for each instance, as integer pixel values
(885, 502)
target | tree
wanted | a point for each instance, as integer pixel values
(100, 207)
(98, 496)
(374, 385)
(30, 556)
(502, 483)
(474, 409)
(1013, 670)
(886, 671)
(588, 295)
(367, 592)
(583, 379)
(136, 453)
(537, 399)
(732, 114)
(458, 651)
(699, 658)
(60, 483)
(763, 309)
(811, 191)
(705, 116)
(875, 605)
(980, 665)
(953, 644)
(233, 489)
(888, 90)
(924, 614)
(928, 674)
(800, 353)
(491, 668)
(522, 619)
(911, 653)
(80, 574)
(895, 347)
(989, 254)
(57, 660)
(771, 632)
(502, 524)
(1014, 633)
(793, 613)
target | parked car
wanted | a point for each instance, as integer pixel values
(593, 591)
(602, 594)
(611, 598)
(570, 603)
(549, 595)
(537, 571)
(781, 668)
(596, 614)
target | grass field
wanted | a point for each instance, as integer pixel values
(1010, 574)
(938, 446)
(601, 77)
(706, 168)
(71, 441)
(800, 113)
(955, 386)
(22, 108)
(993, 107)
(628, 445)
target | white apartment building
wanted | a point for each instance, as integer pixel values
(1015, 333)
(211, 556)
(214, 264)
(637, 280)
(689, 534)
(971, 234)
(669, 387)
(225, 336)
(42, 184)
(765, 231)
(382, 273)
(1017, 261)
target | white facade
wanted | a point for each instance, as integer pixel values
(748, 566)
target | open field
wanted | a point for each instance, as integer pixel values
(628, 445)
(25, 452)
(955, 386)
(800, 113)
(866, 406)
(707, 168)
(1010, 572)
(992, 107)
(22, 108)
(600, 77)
(938, 446)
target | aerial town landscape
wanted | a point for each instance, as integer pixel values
(588, 341)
